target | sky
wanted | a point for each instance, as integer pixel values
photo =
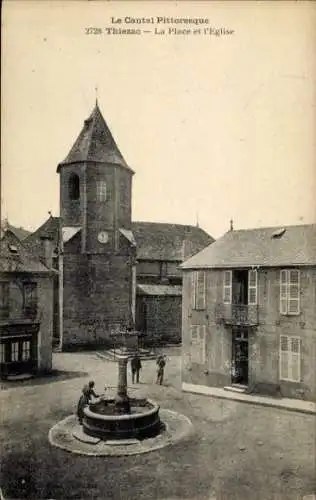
(215, 127)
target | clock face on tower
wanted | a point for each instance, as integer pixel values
(103, 237)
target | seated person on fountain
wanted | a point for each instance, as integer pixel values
(91, 392)
(82, 403)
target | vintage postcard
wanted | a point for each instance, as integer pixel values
(158, 250)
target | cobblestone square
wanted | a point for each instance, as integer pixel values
(237, 451)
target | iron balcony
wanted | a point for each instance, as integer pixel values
(238, 314)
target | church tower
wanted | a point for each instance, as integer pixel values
(97, 266)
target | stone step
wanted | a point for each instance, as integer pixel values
(21, 376)
(112, 355)
(233, 388)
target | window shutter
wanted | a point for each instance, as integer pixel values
(227, 287)
(194, 333)
(197, 351)
(202, 330)
(193, 289)
(290, 358)
(294, 292)
(15, 351)
(284, 358)
(200, 290)
(194, 348)
(252, 287)
(283, 291)
(295, 359)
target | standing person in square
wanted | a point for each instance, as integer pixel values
(136, 366)
(161, 363)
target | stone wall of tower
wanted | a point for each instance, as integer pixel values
(108, 215)
(97, 297)
(97, 275)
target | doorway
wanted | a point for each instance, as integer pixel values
(240, 356)
(240, 287)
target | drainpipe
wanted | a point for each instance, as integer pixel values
(61, 287)
(133, 301)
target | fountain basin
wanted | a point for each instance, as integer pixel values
(102, 420)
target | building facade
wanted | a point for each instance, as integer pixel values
(26, 310)
(161, 248)
(249, 312)
(103, 257)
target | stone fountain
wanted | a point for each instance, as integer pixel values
(122, 417)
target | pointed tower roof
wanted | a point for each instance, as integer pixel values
(95, 143)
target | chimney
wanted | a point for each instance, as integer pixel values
(186, 250)
(48, 250)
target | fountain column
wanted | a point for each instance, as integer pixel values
(122, 402)
(122, 376)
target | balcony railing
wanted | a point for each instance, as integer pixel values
(238, 314)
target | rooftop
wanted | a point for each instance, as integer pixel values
(50, 229)
(95, 143)
(160, 290)
(154, 240)
(266, 247)
(14, 256)
(163, 241)
(19, 232)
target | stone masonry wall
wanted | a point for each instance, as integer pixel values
(96, 297)
(163, 317)
(45, 336)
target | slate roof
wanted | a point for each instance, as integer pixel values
(159, 290)
(95, 143)
(19, 232)
(14, 256)
(50, 229)
(154, 240)
(163, 241)
(292, 245)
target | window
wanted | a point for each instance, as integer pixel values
(198, 290)
(252, 287)
(74, 187)
(15, 351)
(13, 248)
(289, 291)
(198, 338)
(101, 190)
(163, 270)
(2, 353)
(124, 194)
(26, 350)
(4, 299)
(30, 299)
(290, 358)
(227, 287)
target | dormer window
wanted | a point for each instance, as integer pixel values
(13, 248)
(278, 233)
(101, 190)
(74, 187)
